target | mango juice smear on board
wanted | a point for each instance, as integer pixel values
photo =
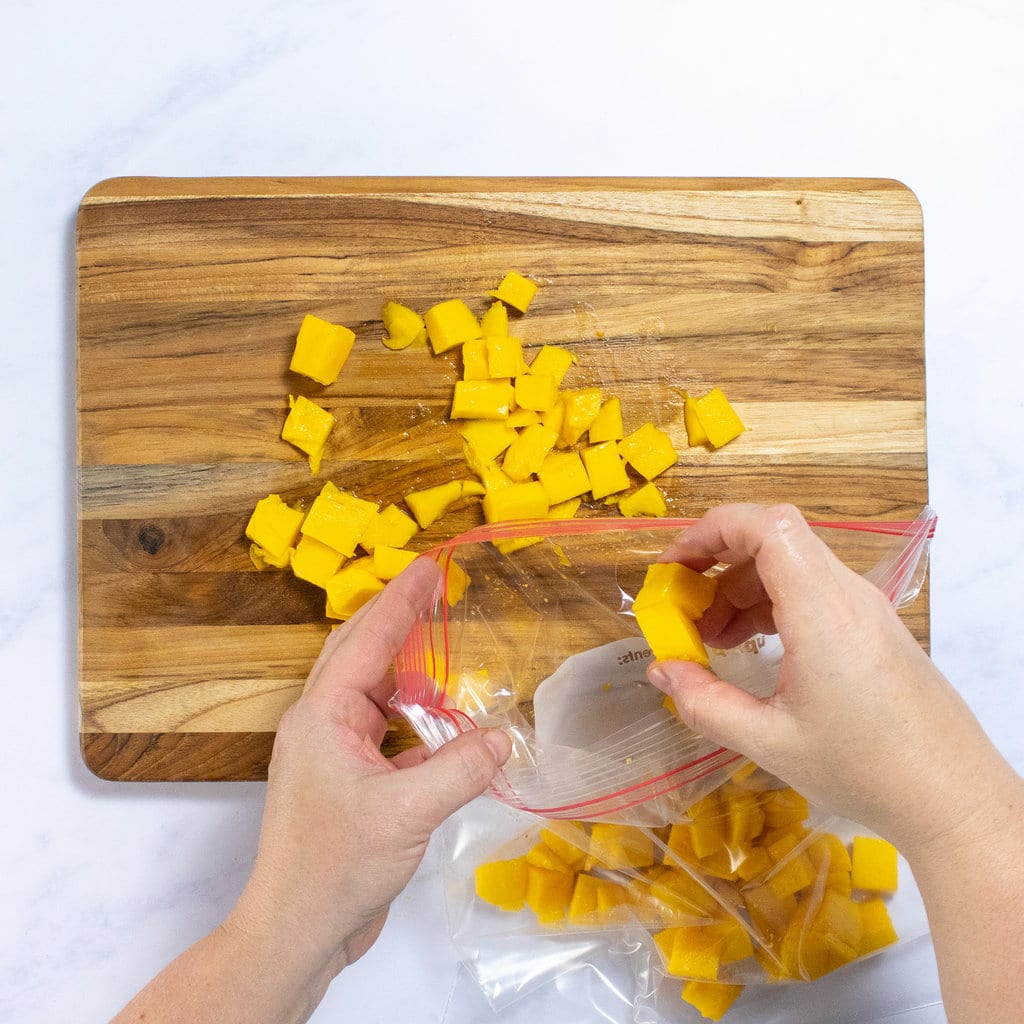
(533, 448)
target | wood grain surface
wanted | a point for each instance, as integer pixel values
(802, 299)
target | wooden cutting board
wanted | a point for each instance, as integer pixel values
(802, 299)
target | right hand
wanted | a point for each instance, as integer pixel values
(861, 721)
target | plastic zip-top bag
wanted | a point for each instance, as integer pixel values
(531, 630)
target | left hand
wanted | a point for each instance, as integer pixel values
(344, 828)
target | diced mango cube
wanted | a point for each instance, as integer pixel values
(516, 291)
(315, 562)
(449, 324)
(607, 424)
(569, 841)
(677, 584)
(769, 912)
(431, 503)
(876, 927)
(502, 883)
(695, 433)
(563, 476)
(875, 864)
(583, 903)
(522, 417)
(338, 519)
(548, 892)
(671, 634)
(403, 326)
(307, 427)
(620, 846)
(494, 322)
(605, 469)
(528, 451)
(553, 362)
(487, 438)
(536, 391)
(554, 417)
(517, 501)
(390, 526)
(581, 407)
(840, 917)
(784, 807)
(505, 357)
(321, 349)
(389, 562)
(565, 509)
(794, 873)
(694, 955)
(711, 999)
(644, 501)
(265, 560)
(718, 418)
(474, 360)
(274, 527)
(456, 580)
(649, 451)
(543, 856)
(482, 399)
(349, 589)
(682, 895)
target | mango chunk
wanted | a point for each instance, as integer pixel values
(315, 562)
(494, 322)
(307, 426)
(569, 842)
(431, 503)
(517, 501)
(482, 399)
(876, 927)
(338, 519)
(449, 324)
(583, 907)
(527, 453)
(671, 634)
(607, 424)
(543, 856)
(403, 327)
(321, 349)
(717, 418)
(563, 476)
(535, 391)
(522, 417)
(620, 846)
(548, 892)
(505, 357)
(552, 361)
(487, 438)
(692, 953)
(874, 864)
(349, 589)
(711, 999)
(389, 562)
(649, 451)
(677, 584)
(502, 883)
(274, 527)
(695, 433)
(390, 526)
(605, 469)
(516, 291)
(793, 874)
(581, 408)
(474, 360)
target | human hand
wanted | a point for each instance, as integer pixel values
(345, 828)
(861, 721)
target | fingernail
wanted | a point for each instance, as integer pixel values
(658, 676)
(498, 744)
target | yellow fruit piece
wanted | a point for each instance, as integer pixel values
(502, 883)
(717, 417)
(839, 918)
(670, 634)
(605, 469)
(349, 589)
(338, 519)
(431, 503)
(522, 417)
(693, 954)
(528, 451)
(876, 927)
(583, 902)
(875, 865)
(568, 841)
(505, 357)
(512, 544)
(307, 426)
(607, 425)
(264, 560)
(754, 864)
(677, 584)
(769, 912)
(620, 846)
(744, 819)
(612, 899)
(515, 290)
(517, 501)
(794, 873)
(563, 476)
(494, 322)
(403, 325)
(711, 999)
(581, 407)
(456, 580)
(482, 399)
(682, 895)
(548, 893)
(784, 807)
(695, 433)
(321, 349)
(543, 856)
(649, 451)
(553, 362)
(536, 391)
(274, 528)
(315, 562)
(389, 562)
(565, 509)
(555, 417)
(487, 438)
(390, 526)
(449, 324)
(491, 476)
(474, 360)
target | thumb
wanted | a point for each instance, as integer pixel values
(455, 773)
(715, 709)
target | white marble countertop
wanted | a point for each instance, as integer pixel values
(100, 884)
